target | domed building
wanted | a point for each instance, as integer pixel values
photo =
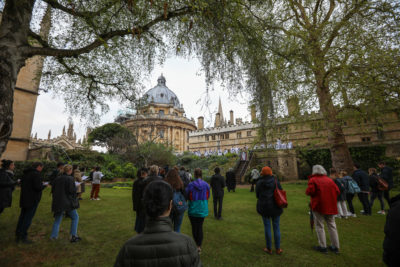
(160, 118)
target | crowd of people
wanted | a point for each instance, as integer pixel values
(161, 197)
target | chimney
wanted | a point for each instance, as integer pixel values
(217, 120)
(231, 121)
(200, 123)
(293, 106)
(253, 113)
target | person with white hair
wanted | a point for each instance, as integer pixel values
(323, 192)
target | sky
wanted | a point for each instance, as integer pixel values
(184, 77)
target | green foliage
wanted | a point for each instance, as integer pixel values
(150, 153)
(20, 166)
(106, 134)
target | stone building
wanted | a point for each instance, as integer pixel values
(160, 118)
(25, 96)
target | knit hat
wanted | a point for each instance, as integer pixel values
(266, 171)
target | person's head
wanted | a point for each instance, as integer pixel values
(142, 173)
(381, 164)
(67, 169)
(333, 173)
(230, 170)
(217, 170)
(198, 173)
(174, 179)
(153, 170)
(266, 171)
(97, 169)
(162, 172)
(356, 166)
(60, 166)
(37, 166)
(8, 164)
(342, 173)
(371, 171)
(157, 199)
(318, 170)
(74, 167)
(182, 168)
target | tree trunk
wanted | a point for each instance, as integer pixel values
(14, 30)
(340, 154)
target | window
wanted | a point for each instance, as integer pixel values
(248, 133)
(161, 133)
(207, 138)
(239, 135)
(221, 136)
(161, 112)
(227, 136)
(213, 137)
(366, 139)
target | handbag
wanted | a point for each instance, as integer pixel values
(280, 196)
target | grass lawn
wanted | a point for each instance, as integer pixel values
(235, 241)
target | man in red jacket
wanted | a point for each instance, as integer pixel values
(324, 192)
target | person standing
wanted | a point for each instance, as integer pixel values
(254, 175)
(217, 185)
(362, 179)
(198, 193)
(78, 179)
(97, 175)
(177, 185)
(137, 195)
(391, 243)
(153, 174)
(375, 192)
(387, 175)
(7, 183)
(158, 245)
(184, 176)
(56, 172)
(341, 200)
(31, 194)
(324, 192)
(230, 180)
(350, 185)
(267, 208)
(65, 200)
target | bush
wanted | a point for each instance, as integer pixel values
(20, 166)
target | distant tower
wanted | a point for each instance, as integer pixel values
(63, 132)
(49, 135)
(35, 136)
(219, 117)
(70, 132)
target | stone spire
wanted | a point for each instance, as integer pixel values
(63, 132)
(221, 114)
(35, 136)
(70, 132)
(49, 135)
(74, 136)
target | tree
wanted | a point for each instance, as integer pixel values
(333, 55)
(97, 49)
(107, 136)
(149, 153)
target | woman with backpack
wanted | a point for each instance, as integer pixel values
(178, 201)
(341, 199)
(268, 209)
(351, 188)
(198, 193)
(375, 192)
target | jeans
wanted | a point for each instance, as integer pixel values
(349, 198)
(364, 201)
(267, 231)
(177, 221)
(375, 195)
(217, 201)
(74, 223)
(25, 220)
(95, 191)
(197, 229)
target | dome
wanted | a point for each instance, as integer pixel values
(161, 94)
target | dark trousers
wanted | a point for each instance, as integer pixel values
(363, 197)
(379, 196)
(349, 198)
(217, 201)
(24, 221)
(386, 195)
(140, 222)
(197, 229)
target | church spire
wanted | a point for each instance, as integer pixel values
(221, 114)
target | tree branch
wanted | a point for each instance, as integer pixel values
(81, 14)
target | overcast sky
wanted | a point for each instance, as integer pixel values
(184, 78)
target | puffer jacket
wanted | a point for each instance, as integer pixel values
(198, 193)
(266, 205)
(159, 246)
(64, 194)
(7, 185)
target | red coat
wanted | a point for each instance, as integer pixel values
(323, 192)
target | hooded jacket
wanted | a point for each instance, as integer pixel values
(266, 205)
(198, 193)
(7, 185)
(31, 188)
(323, 192)
(158, 245)
(362, 179)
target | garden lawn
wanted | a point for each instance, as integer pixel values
(237, 240)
